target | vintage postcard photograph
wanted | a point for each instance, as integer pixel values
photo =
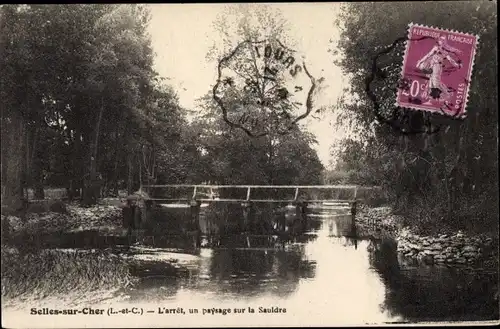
(249, 164)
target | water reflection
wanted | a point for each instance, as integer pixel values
(433, 293)
(252, 272)
(330, 274)
(322, 273)
(228, 271)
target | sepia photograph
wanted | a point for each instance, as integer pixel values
(249, 164)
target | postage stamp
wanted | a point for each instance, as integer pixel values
(436, 72)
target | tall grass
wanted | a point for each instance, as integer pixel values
(49, 272)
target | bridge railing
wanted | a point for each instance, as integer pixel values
(252, 193)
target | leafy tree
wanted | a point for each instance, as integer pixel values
(80, 77)
(235, 158)
(448, 178)
(272, 157)
(82, 108)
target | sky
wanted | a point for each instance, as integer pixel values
(182, 35)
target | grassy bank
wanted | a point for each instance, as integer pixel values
(30, 271)
(49, 272)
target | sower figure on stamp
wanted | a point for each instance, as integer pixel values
(432, 64)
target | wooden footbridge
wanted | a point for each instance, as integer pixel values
(199, 193)
(299, 196)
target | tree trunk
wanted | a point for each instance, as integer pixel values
(76, 176)
(114, 182)
(130, 173)
(12, 186)
(140, 173)
(35, 169)
(27, 162)
(37, 179)
(92, 188)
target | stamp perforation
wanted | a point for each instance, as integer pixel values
(421, 107)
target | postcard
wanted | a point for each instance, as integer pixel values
(249, 165)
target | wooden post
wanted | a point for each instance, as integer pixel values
(304, 214)
(304, 207)
(138, 212)
(298, 209)
(353, 209)
(353, 212)
(146, 206)
(195, 206)
(247, 214)
(128, 213)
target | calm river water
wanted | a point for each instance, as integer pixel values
(324, 274)
(322, 277)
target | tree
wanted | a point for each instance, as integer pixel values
(263, 86)
(82, 108)
(450, 175)
(80, 77)
(252, 91)
(232, 157)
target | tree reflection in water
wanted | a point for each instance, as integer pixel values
(252, 271)
(432, 293)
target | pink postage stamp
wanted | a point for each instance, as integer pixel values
(436, 71)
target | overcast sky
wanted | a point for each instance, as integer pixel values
(183, 34)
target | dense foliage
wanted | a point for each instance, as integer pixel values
(231, 157)
(448, 179)
(82, 108)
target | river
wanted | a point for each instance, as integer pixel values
(325, 276)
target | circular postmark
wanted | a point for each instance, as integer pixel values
(395, 116)
(263, 87)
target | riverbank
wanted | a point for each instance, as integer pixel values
(455, 249)
(29, 271)
(72, 218)
(36, 275)
(74, 275)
